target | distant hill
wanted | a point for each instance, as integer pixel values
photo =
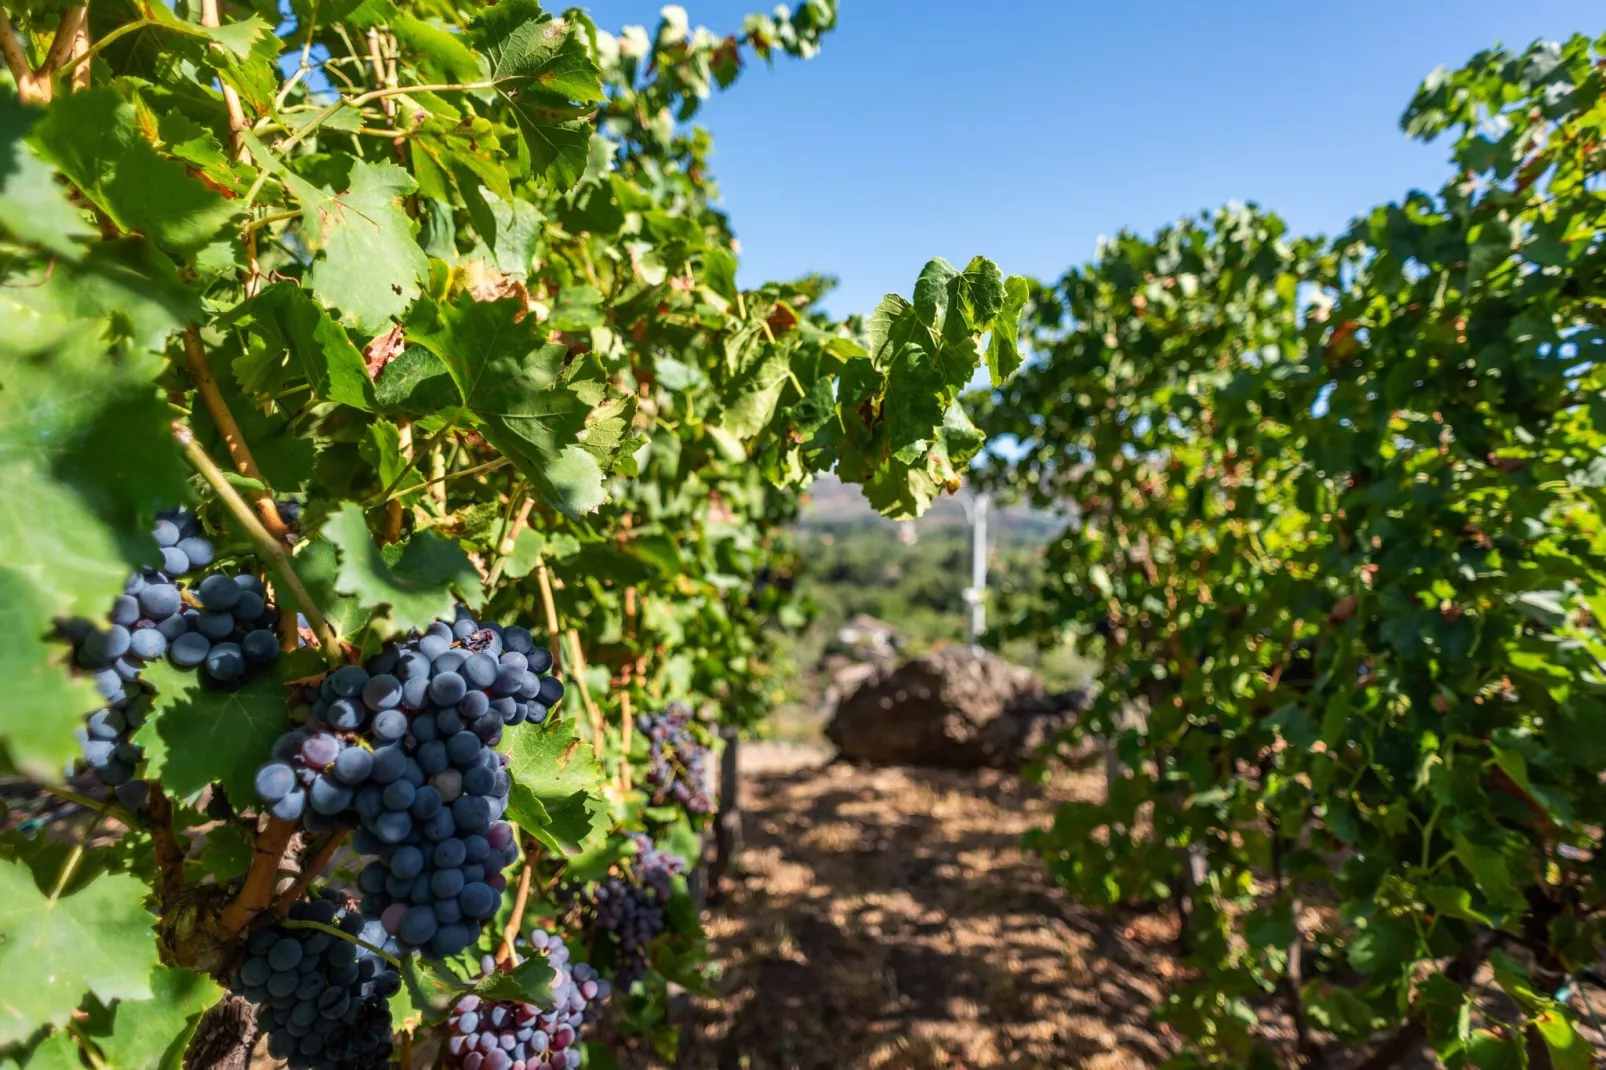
(831, 505)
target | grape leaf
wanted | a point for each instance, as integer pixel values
(557, 426)
(53, 951)
(58, 1051)
(32, 206)
(528, 982)
(154, 1032)
(415, 384)
(1003, 348)
(416, 579)
(372, 267)
(227, 854)
(556, 794)
(541, 65)
(85, 444)
(195, 736)
(318, 564)
(93, 138)
(284, 320)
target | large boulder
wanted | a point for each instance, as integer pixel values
(953, 708)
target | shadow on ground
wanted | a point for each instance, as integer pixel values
(887, 918)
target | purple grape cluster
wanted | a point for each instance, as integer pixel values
(218, 621)
(511, 1035)
(404, 748)
(323, 1000)
(677, 760)
(632, 909)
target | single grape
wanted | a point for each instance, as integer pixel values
(189, 649)
(148, 643)
(260, 646)
(218, 592)
(274, 781)
(225, 661)
(197, 552)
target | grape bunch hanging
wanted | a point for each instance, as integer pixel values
(322, 1000)
(629, 910)
(216, 620)
(677, 760)
(483, 1034)
(403, 748)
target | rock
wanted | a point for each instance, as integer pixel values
(951, 708)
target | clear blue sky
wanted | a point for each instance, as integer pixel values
(1024, 129)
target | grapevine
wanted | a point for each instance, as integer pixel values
(431, 326)
(1339, 551)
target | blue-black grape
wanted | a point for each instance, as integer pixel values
(149, 621)
(629, 909)
(323, 1001)
(403, 747)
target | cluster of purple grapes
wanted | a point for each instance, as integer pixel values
(323, 1000)
(633, 909)
(228, 628)
(404, 748)
(511, 1035)
(677, 760)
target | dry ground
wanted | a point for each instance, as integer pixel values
(887, 919)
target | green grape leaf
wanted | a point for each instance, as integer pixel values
(558, 425)
(318, 564)
(85, 443)
(371, 266)
(286, 325)
(556, 794)
(526, 553)
(196, 736)
(439, 54)
(93, 138)
(417, 580)
(431, 988)
(227, 854)
(415, 384)
(98, 940)
(32, 206)
(1003, 348)
(752, 396)
(154, 1032)
(58, 1051)
(528, 982)
(541, 65)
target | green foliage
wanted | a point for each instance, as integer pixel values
(468, 305)
(1341, 537)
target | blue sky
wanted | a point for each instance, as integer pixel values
(1024, 129)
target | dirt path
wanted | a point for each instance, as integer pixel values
(887, 918)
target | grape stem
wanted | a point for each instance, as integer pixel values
(113, 808)
(272, 551)
(205, 385)
(554, 640)
(342, 934)
(71, 865)
(169, 855)
(578, 666)
(309, 871)
(505, 541)
(521, 898)
(231, 99)
(256, 893)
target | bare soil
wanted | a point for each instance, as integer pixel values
(888, 919)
